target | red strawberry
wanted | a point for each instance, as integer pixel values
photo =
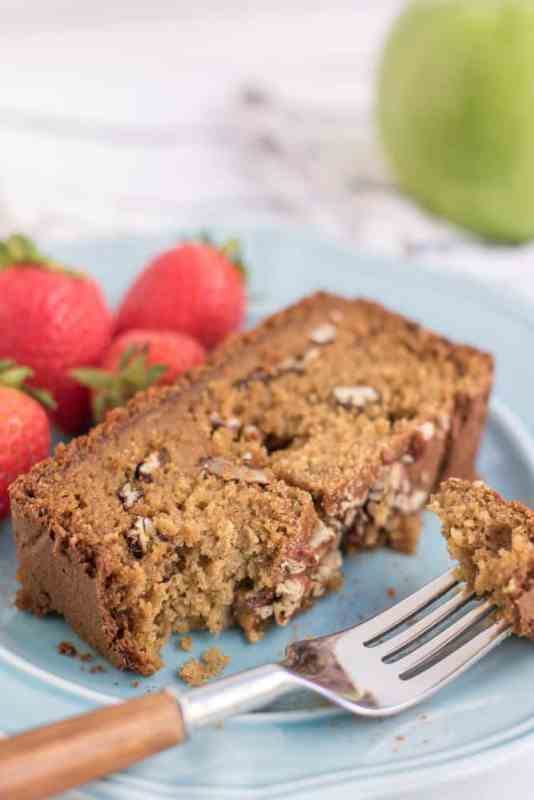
(195, 288)
(52, 319)
(136, 360)
(177, 351)
(24, 427)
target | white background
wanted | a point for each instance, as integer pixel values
(128, 116)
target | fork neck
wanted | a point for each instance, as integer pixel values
(234, 695)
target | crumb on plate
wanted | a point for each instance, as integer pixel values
(197, 672)
(67, 649)
(97, 668)
(85, 657)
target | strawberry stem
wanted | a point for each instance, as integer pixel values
(231, 249)
(113, 389)
(15, 376)
(19, 250)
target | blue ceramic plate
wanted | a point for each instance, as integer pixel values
(301, 749)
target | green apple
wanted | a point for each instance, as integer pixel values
(456, 111)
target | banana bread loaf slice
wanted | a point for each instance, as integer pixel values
(224, 498)
(493, 540)
(362, 408)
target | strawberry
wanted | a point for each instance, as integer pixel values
(136, 360)
(176, 351)
(51, 319)
(24, 426)
(195, 288)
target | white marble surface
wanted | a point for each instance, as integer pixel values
(128, 116)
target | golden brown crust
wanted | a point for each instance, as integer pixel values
(77, 590)
(144, 402)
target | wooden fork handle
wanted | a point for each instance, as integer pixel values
(50, 760)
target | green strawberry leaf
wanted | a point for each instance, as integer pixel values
(15, 376)
(43, 396)
(94, 378)
(231, 249)
(135, 373)
(128, 354)
(18, 249)
(114, 389)
(155, 372)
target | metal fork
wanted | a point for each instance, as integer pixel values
(375, 669)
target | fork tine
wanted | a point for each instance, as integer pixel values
(392, 646)
(434, 645)
(439, 674)
(382, 623)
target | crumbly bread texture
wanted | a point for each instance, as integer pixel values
(197, 672)
(493, 540)
(224, 499)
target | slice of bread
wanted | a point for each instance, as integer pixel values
(224, 498)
